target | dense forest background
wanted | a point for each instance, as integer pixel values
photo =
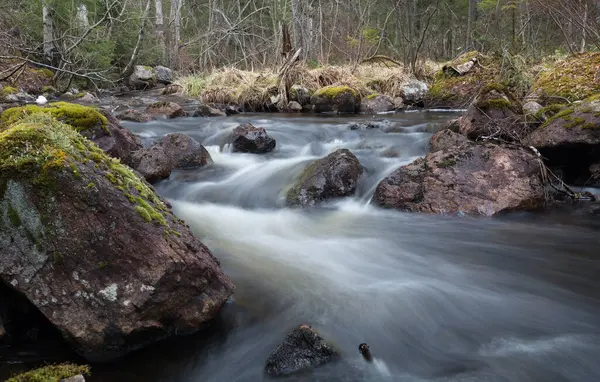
(103, 38)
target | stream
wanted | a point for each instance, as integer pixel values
(437, 298)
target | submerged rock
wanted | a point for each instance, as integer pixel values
(207, 111)
(570, 140)
(94, 248)
(134, 116)
(168, 109)
(377, 103)
(173, 151)
(302, 349)
(249, 139)
(481, 179)
(341, 99)
(334, 176)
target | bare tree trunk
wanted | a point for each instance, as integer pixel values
(584, 28)
(297, 32)
(129, 68)
(470, 20)
(159, 23)
(82, 17)
(175, 21)
(48, 31)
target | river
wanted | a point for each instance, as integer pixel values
(454, 298)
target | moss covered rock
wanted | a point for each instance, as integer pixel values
(94, 248)
(576, 78)
(478, 179)
(570, 139)
(494, 112)
(341, 99)
(334, 176)
(52, 373)
(143, 77)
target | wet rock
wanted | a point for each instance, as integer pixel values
(446, 139)
(570, 140)
(294, 107)
(494, 113)
(334, 176)
(594, 180)
(378, 103)
(77, 378)
(106, 261)
(143, 77)
(249, 139)
(414, 91)
(301, 350)
(366, 125)
(300, 94)
(171, 89)
(531, 108)
(479, 179)
(207, 111)
(163, 75)
(168, 109)
(173, 151)
(228, 109)
(114, 139)
(134, 116)
(399, 104)
(340, 99)
(88, 98)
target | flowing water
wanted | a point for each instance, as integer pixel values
(513, 298)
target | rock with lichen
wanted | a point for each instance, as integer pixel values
(167, 109)
(471, 178)
(569, 139)
(340, 99)
(134, 116)
(97, 125)
(302, 349)
(376, 103)
(173, 151)
(92, 246)
(334, 176)
(143, 77)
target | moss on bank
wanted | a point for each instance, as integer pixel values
(575, 78)
(334, 91)
(52, 373)
(80, 117)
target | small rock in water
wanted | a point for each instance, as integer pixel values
(302, 349)
(249, 139)
(365, 351)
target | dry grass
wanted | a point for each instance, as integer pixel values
(253, 89)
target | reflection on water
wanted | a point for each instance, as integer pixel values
(436, 298)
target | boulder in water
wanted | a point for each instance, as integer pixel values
(134, 116)
(334, 176)
(168, 109)
(249, 139)
(479, 179)
(173, 151)
(207, 111)
(294, 107)
(377, 103)
(341, 99)
(302, 349)
(94, 248)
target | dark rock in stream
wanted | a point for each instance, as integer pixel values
(134, 116)
(207, 111)
(480, 179)
(115, 140)
(168, 109)
(173, 151)
(334, 176)
(96, 250)
(377, 104)
(302, 349)
(249, 139)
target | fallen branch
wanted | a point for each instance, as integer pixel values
(13, 70)
(379, 59)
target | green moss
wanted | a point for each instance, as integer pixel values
(13, 215)
(372, 96)
(143, 213)
(563, 114)
(52, 373)
(80, 117)
(152, 213)
(8, 90)
(59, 258)
(48, 90)
(496, 103)
(334, 91)
(575, 122)
(549, 111)
(447, 162)
(573, 79)
(44, 72)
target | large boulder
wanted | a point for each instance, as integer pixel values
(94, 248)
(341, 99)
(143, 77)
(300, 94)
(168, 109)
(480, 179)
(173, 151)
(446, 139)
(377, 103)
(99, 126)
(134, 116)
(414, 91)
(334, 176)
(249, 139)
(302, 349)
(570, 139)
(494, 113)
(164, 75)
